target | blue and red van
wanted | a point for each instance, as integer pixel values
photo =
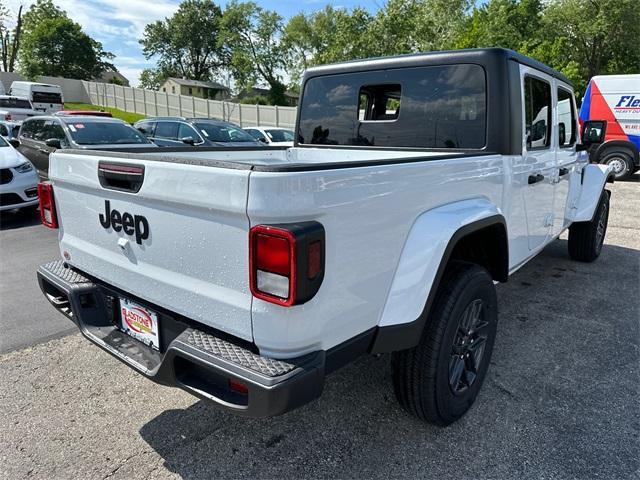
(615, 100)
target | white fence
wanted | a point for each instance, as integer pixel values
(153, 104)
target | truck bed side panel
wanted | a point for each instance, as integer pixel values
(367, 214)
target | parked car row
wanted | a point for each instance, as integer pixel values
(26, 145)
(40, 136)
(180, 131)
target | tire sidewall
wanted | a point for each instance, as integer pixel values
(602, 205)
(452, 406)
(623, 157)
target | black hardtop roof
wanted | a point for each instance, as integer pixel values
(473, 55)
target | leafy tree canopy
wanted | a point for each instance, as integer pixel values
(53, 44)
(252, 38)
(186, 45)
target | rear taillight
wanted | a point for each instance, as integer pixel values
(286, 262)
(47, 205)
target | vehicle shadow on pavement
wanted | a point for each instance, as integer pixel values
(560, 399)
(18, 219)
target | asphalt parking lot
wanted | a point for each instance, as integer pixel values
(561, 399)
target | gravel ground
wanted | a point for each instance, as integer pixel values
(560, 400)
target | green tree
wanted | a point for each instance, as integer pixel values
(583, 38)
(408, 26)
(52, 44)
(514, 24)
(255, 50)
(40, 11)
(152, 78)
(328, 35)
(401, 26)
(9, 38)
(187, 45)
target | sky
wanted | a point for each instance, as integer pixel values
(119, 24)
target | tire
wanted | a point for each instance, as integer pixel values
(434, 380)
(621, 161)
(586, 238)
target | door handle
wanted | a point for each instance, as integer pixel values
(535, 178)
(43, 150)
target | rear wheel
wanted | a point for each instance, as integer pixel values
(586, 238)
(621, 162)
(439, 379)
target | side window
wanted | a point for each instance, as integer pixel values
(167, 130)
(29, 128)
(146, 128)
(257, 134)
(185, 130)
(566, 119)
(55, 130)
(537, 100)
(379, 102)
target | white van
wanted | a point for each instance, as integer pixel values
(43, 96)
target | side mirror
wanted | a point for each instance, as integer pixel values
(14, 142)
(53, 143)
(188, 140)
(593, 131)
(142, 130)
(263, 140)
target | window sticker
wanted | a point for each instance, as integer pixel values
(79, 125)
(204, 132)
(72, 128)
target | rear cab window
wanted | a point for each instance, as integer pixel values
(46, 97)
(434, 107)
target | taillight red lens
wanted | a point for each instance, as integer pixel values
(272, 251)
(273, 254)
(47, 205)
(286, 262)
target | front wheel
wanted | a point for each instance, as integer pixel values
(439, 379)
(586, 238)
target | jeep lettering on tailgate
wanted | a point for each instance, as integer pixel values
(130, 224)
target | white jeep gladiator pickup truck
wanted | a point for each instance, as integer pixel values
(244, 276)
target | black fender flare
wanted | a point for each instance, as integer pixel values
(392, 338)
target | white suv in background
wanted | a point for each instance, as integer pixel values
(18, 179)
(272, 136)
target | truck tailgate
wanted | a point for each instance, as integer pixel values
(194, 259)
